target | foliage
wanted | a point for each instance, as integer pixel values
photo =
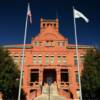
(9, 75)
(91, 75)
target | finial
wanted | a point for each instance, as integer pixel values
(56, 15)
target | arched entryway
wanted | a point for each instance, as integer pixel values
(49, 73)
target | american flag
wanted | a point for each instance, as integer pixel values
(29, 13)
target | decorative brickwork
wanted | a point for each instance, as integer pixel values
(49, 56)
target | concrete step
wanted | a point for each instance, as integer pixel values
(50, 89)
(52, 97)
(50, 93)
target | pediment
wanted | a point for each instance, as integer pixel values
(49, 36)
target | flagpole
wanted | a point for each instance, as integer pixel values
(22, 61)
(78, 65)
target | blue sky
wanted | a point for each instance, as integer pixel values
(13, 14)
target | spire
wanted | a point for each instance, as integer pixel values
(56, 14)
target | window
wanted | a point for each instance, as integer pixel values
(16, 59)
(75, 60)
(48, 24)
(77, 80)
(21, 58)
(59, 59)
(64, 59)
(34, 75)
(34, 59)
(39, 59)
(78, 93)
(81, 59)
(61, 43)
(46, 43)
(55, 25)
(58, 43)
(64, 75)
(11, 54)
(37, 43)
(46, 59)
(51, 59)
(43, 25)
(49, 43)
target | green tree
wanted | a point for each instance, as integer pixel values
(9, 76)
(91, 75)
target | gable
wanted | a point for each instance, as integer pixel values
(50, 36)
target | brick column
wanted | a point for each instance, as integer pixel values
(72, 84)
(58, 75)
(70, 76)
(40, 75)
(26, 76)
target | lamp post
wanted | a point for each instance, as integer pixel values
(49, 81)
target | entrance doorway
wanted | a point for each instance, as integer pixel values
(49, 74)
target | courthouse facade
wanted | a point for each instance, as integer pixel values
(49, 55)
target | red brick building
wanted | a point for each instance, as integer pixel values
(49, 55)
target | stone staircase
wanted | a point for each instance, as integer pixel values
(50, 93)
